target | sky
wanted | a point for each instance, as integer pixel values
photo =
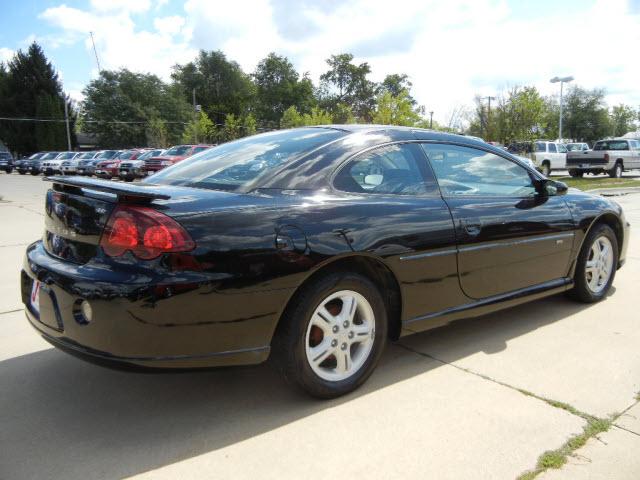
(452, 50)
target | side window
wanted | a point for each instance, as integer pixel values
(469, 171)
(394, 169)
(552, 148)
(541, 147)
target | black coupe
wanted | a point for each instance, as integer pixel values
(313, 246)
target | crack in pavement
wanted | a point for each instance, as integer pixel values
(11, 311)
(626, 429)
(553, 403)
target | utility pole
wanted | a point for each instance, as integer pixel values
(562, 81)
(430, 119)
(489, 98)
(195, 115)
(66, 118)
(95, 52)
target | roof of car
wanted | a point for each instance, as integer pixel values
(408, 132)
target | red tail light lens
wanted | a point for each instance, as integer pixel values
(148, 233)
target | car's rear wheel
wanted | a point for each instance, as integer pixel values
(596, 265)
(546, 169)
(331, 338)
(616, 172)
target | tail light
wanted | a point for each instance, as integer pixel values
(148, 233)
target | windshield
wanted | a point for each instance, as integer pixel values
(50, 156)
(149, 154)
(574, 147)
(235, 164)
(86, 155)
(562, 148)
(611, 145)
(126, 155)
(35, 156)
(66, 155)
(107, 154)
(177, 150)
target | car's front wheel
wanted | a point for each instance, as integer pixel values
(576, 173)
(331, 338)
(596, 265)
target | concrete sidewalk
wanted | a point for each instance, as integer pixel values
(477, 399)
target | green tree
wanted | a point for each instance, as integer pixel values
(395, 83)
(220, 85)
(291, 118)
(50, 135)
(249, 125)
(623, 120)
(342, 114)
(232, 128)
(199, 130)
(30, 89)
(279, 86)
(586, 116)
(157, 133)
(395, 110)
(317, 117)
(346, 82)
(119, 106)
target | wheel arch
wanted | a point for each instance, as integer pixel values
(369, 266)
(613, 221)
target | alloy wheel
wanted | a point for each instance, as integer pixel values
(340, 335)
(599, 265)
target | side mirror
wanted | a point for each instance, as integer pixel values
(550, 188)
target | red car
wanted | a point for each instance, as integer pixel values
(173, 155)
(109, 168)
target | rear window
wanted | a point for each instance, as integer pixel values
(107, 154)
(151, 153)
(177, 150)
(126, 155)
(611, 145)
(233, 165)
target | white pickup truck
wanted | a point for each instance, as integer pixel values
(608, 156)
(549, 156)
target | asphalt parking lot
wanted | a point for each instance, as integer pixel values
(476, 399)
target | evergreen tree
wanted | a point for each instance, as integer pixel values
(31, 89)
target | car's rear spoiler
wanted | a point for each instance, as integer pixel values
(125, 192)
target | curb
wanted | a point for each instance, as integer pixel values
(614, 192)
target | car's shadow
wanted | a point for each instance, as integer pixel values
(64, 418)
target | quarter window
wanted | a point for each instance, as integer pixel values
(394, 169)
(469, 171)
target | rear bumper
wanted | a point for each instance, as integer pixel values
(166, 320)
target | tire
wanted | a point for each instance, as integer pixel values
(616, 171)
(576, 173)
(21, 172)
(584, 290)
(34, 173)
(302, 329)
(546, 169)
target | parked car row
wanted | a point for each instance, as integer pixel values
(125, 164)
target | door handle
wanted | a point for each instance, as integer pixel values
(471, 228)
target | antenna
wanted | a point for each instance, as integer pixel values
(95, 52)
